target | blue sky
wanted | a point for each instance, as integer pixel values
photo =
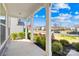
(40, 18)
(62, 14)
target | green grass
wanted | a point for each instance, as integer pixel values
(68, 37)
(65, 37)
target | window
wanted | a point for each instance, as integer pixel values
(2, 24)
(2, 19)
(2, 35)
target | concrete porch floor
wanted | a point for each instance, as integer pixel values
(24, 48)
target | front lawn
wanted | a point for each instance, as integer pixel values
(70, 39)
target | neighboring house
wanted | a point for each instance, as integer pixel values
(76, 27)
(14, 27)
(40, 28)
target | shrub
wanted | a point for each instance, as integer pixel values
(57, 47)
(13, 36)
(21, 35)
(64, 42)
(38, 40)
(29, 35)
(55, 40)
(43, 42)
(36, 37)
(76, 46)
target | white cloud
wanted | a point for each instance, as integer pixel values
(60, 6)
(55, 11)
(65, 15)
(76, 17)
(62, 18)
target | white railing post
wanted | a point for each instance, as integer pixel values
(32, 22)
(48, 31)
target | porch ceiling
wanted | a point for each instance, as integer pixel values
(22, 9)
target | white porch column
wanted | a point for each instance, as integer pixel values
(7, 37)
(26, 30)
(32, 28)
(48, 31)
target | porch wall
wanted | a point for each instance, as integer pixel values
(14, 27)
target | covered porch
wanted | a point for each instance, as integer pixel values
(25, 47)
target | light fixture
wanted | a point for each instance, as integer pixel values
(20, 22)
